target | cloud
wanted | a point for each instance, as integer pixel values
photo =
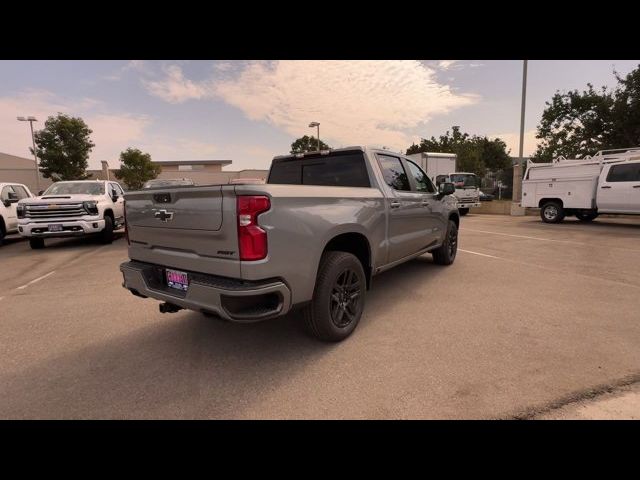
(356, 102)
(513, 142)
(112, 132)
(446, 64)
(370, 102)
(175, 87)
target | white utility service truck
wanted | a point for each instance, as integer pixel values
(608, 182)
(441, 168)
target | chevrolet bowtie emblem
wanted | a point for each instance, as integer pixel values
(163, 215)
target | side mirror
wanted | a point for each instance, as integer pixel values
(114, 197)
(40, 193)
(447, 188)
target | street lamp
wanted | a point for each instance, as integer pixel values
(316, 124)
(31, 119)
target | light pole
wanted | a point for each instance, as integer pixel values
(316, 124)
(516, 191)
(33, 140)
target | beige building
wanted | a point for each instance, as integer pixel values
(202, 172)
(21, 170)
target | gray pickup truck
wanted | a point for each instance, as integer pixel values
(312, 237)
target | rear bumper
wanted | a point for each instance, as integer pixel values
(71, 228)
(231, 299)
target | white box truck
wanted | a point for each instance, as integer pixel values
(608, 182)
(441, 167)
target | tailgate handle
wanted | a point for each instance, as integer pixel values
(162, 197)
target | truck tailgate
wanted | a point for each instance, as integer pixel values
(190, 228)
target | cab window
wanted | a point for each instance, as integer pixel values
(393, 173)
(423, 184)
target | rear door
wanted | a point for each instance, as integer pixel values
(619, 189)
(406, 210)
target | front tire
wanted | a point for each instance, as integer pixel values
(36, 243)
(338, 297)
(446, 253)
(106, 236)
(463, 211)
(552, 212)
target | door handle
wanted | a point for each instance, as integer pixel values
(636, 186)
(606, 186)
(395, 204)
(424, 203)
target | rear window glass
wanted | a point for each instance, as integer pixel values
(334, 170)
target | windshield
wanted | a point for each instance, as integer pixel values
(166, 183)
(75, 188)
(464, 180)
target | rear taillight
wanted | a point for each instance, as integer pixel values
(126, 226)
(252, 240)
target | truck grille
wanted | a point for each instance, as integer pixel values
(467, 200)
(54, 210)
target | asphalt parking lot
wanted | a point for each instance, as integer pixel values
(531, 317)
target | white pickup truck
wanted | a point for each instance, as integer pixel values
(72, 208)
(608, 182)
(10, 194)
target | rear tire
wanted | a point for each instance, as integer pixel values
(446, 253)
(106, 236)
(338, 298)
(463, 211)
(2, 232)
(586, 216)
(36, 243)
(552, 212)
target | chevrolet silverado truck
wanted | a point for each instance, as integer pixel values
(312, 237)
(72, 208)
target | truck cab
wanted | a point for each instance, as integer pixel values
(467, 189)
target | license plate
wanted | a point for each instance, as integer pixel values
(178, 280)
(55, 228)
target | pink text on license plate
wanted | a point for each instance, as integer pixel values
(178, 280)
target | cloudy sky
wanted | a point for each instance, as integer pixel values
(249, 111)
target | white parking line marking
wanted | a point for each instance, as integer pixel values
(525, 236)
(477, 253)
(36, 280)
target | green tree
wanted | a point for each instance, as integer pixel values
(63, 148)
(475, 153)
(576, 124)
(136, 168)
(307, 144)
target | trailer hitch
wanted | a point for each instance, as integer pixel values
(167, 307)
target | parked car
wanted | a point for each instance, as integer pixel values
(10, 194)
(72, 208)
(160, 183)
(312, 237)
(485, 197)
(609, 182)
